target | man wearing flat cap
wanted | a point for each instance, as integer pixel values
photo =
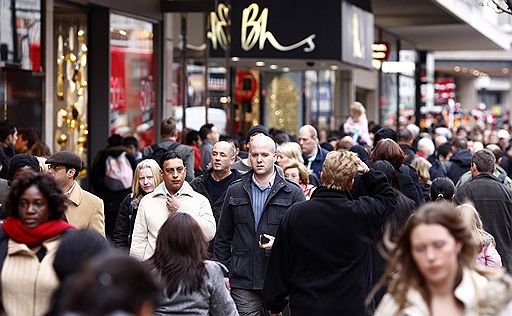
(85, 210)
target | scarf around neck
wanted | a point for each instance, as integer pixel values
(15, 230)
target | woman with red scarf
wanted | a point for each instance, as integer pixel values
(28, 241)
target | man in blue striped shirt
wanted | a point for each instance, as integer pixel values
(252, 210)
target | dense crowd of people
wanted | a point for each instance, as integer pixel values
(354, 222)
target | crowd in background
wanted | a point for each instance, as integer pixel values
(359, 221)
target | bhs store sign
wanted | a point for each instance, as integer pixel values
(292, 29)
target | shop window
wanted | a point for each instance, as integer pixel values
(21, 47)
(70, 85)
(132, 79)
(283, 100)
(319, 88)
(21, 93)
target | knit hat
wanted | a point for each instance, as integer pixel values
(255, 129)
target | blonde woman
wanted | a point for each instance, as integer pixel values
(422, 165)
(147, 177)
(288, 153)
(487, 255)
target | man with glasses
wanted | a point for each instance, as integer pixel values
(172, 195)
(85, 210)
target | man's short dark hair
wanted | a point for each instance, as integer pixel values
(281, 137)
(404, 135)
(130, 140)
(30, 135)
(484, 161)
(172, 154)
(385, 132)
(115, 140)
(6, 129)
(192, 136)
(168, 127)
(444, 150)
(460, 143)
(205, 130)
(231, 139)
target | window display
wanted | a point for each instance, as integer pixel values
(70, 86)
(132, 79)
(21, 47)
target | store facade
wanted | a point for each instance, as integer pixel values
(103, 63)
(281, 68)
(79, 71)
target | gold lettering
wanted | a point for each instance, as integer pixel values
(254, 30)
(218, 22)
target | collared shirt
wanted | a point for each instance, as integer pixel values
(311, 159)
(68, 192)
(260, 194)
(177, 193)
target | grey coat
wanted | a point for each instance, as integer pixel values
(212, 299)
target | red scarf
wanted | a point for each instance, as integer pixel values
(15, 230)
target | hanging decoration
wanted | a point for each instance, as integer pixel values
(283, 103)
(71, 90)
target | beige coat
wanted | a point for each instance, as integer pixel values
(152, 214)
(27, 284)
(85, 210)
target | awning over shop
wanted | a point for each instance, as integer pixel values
(440, 24)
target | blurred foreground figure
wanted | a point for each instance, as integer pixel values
(113, 285)
(433, 267)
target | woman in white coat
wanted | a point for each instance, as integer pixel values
(432, 270)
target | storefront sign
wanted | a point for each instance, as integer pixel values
(299, 29)
(380, 51)
(357, 35)
(254, 30)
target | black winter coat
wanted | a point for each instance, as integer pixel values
(458, 164)
(321, 258)
(112, 199)
(410, 184)
(123, 230)
(409, 152)
(236, 244)
(200, 185)
(408, 180)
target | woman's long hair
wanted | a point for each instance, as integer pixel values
(388, 150)
(402, 270)
(180, 253)
(155, 169)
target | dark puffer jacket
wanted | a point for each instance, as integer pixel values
(236, 244)
(458, 164)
